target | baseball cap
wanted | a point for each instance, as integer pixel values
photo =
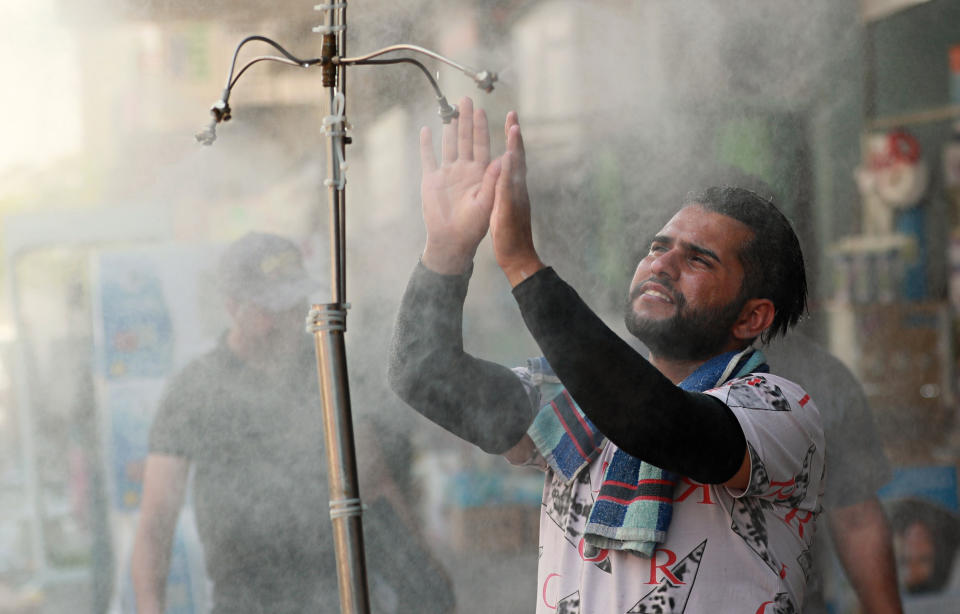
(266, 270)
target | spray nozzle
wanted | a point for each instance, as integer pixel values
(485, 80)
(221, 113)
(447, 111)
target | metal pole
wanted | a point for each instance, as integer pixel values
(328, 323)
(342, 82)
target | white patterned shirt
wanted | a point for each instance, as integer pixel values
(726, 551)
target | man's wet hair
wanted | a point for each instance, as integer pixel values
(772, 259)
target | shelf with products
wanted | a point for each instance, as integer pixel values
(913, 118)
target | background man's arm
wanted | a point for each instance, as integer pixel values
(856, 467)
(164, 487)
(861, 538)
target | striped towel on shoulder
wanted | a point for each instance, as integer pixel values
(635, 503)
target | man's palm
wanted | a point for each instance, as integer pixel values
(458, 193)
(451, 200)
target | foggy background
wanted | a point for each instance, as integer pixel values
(626, 106)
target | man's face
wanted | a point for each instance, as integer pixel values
(271, 332)
(685, 294)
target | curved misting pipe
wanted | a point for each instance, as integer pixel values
(221, 112)
(484, 78)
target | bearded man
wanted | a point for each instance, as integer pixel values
(689, 482)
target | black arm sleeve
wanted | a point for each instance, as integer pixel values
(627, 398)
(479, 401)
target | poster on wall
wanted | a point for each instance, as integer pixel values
(155, 309)
(134, 317)
(131, 408)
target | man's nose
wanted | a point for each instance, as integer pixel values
(666, 264)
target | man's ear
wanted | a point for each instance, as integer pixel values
(755, 317)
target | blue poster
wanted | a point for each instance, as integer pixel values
(137, 333)
(131, 409)
(155, 309)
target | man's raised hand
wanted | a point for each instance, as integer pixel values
(458, 193)
(510, 223)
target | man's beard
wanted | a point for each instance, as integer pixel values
(689, 334)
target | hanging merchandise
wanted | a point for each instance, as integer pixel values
(890, 254)
(893, 177)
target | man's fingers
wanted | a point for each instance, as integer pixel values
(449, 141)
(481, 137)
(465, 131)
(515, 147)
(488, 186)
(511, 121)
(503, 194)
(428, 159)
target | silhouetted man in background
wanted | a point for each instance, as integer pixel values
(246, 417)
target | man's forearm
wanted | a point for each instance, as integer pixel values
(164, 486)
(479, 401)
(861, 538)
(628, 400)
(149, 563)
